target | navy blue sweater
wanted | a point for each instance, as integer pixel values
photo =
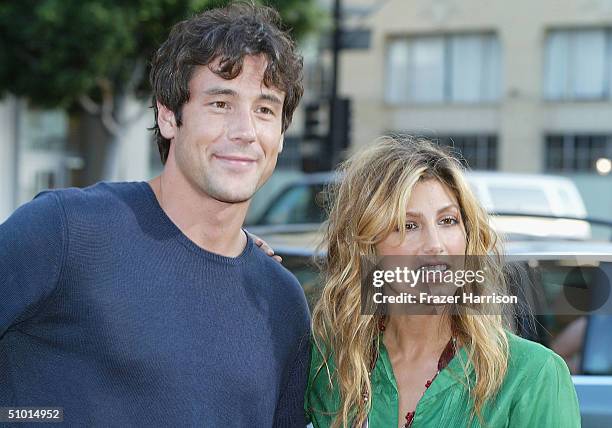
(109, 311)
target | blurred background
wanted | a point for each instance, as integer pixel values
(522, 87)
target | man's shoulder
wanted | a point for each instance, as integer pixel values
(270, 269)
(101, 193)
(278, 279)
(101, 200)
(93, 211)
(66, 204)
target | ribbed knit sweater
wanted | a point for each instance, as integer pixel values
(109, 311)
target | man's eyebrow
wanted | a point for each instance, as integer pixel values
(272, 98)
(230, 92)
(444, 208)
(220, 91)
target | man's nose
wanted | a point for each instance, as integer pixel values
(241, 126)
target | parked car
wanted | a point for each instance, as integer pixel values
(537, 194)
(545, 265)
(301, 202)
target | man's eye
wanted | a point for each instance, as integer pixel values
(265, 110)
(219, 104)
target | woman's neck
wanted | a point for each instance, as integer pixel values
(417, 336)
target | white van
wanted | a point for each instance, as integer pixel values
(532, 194)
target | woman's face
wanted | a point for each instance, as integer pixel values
(434, 243)
(434, 226)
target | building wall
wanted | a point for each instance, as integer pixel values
(521, 117)
(8, 147)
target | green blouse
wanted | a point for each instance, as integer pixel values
(537, 392)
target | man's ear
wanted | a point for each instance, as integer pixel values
(282, 140)
(166, 121)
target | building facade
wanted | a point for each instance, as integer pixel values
(518, 86)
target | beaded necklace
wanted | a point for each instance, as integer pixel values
(447, 355)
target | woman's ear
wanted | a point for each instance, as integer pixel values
(166, 121)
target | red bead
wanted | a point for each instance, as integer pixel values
(409, 418)
(447, 355)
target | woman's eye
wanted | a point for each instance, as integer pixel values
(449, 220)
(411, 226)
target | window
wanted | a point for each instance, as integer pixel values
(576, 152)
(45, 179)
(597, 359)
(454, 68)
(291, 157)
(295, 205)
(519, 199)
(474, 151)
(578, 64)
(44, 129)
(44, 159)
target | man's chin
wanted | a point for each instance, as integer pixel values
(232, 193)
(232, 199)
(230, 188)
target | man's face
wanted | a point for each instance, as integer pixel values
(230, 135)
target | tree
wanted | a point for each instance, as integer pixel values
(93, 55)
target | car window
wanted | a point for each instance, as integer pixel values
(568, 202)
(297, 204)
(584, 341)
(598, 346)
(521, 199)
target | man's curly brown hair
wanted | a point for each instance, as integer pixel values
(226, 34)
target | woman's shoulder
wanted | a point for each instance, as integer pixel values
(531, 360)
(525, 349)
(321, 362)
(538, 387)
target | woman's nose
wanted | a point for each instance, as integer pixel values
(432, 244)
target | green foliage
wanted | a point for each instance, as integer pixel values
(54, 51)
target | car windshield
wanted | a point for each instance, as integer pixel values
(528, 200)
(297, 204)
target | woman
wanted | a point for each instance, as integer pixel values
(451, 366)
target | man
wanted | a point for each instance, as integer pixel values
(137, 304)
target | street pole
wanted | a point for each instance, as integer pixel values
(334, 128)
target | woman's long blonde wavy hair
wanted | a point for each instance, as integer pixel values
(366, 205)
